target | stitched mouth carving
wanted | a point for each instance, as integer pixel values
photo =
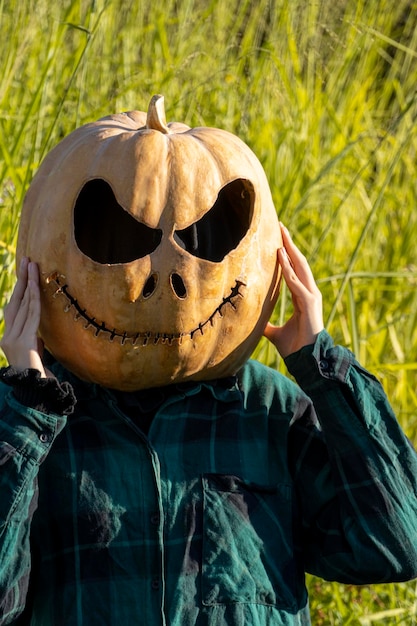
(139, 338)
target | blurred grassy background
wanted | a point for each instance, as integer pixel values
(324, 92)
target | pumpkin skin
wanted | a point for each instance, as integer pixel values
(156, 245)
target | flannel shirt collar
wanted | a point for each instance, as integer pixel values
(222, 389)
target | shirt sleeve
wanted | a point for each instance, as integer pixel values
(47, 395)
(355, 472)
(26, 436)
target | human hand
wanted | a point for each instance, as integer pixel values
(307, 319)
(20, 342)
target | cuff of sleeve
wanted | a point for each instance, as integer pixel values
(46, 395)
(318, 361)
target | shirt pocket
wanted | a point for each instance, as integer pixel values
(248, 554)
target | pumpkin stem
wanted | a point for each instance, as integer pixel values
(156, 115)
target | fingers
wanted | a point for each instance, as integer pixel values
(15, 324)
(306, 321)
(31, 323)
(24, 304)
(22, 317)
(20, 342)
(15, 302)
(295, 267)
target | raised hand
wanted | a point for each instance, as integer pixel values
(20, 341)
(307, 319)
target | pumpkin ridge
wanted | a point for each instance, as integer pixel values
(147, 337)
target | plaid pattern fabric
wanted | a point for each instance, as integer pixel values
(240, 486)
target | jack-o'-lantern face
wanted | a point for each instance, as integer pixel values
(156, 246)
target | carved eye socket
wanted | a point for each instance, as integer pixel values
(108, 234)
(105, 232)
(222, 228)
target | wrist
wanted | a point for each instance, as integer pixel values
(29, 360)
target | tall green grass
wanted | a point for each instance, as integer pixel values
(324, 91)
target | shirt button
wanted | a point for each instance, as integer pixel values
(155, 584)
(44, 438)
(324, 365)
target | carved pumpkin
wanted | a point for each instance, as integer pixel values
(156, 245)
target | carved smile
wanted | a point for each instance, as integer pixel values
(140, 338)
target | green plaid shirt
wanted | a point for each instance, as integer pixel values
(212, 519)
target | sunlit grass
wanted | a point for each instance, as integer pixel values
(324, 93)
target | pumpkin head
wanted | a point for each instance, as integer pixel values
(156, 245)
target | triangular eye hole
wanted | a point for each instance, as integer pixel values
(223, 227)
(105, 232)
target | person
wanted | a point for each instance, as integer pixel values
(202, 503)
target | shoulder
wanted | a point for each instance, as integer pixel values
(261, 384)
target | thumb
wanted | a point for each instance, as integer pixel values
(272, 332)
